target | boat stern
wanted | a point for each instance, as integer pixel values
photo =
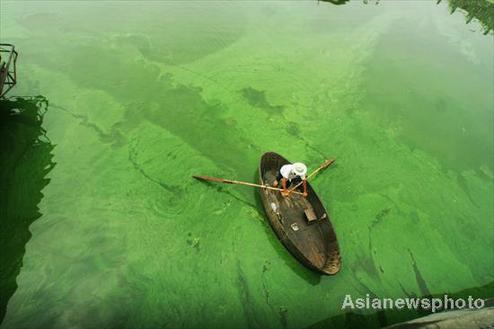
(333, 264)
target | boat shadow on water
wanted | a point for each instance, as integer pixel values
(306, 274)
(25, 160)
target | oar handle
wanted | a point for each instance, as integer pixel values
(230, 181)
(326, 164)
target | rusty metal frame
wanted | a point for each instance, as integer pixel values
(8, 71)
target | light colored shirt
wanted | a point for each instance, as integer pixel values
(287, 172)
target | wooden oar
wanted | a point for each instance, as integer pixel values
(229, 181)
(326, 164)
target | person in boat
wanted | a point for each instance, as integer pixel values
(291, 174)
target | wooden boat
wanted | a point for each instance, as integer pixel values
(301, 224)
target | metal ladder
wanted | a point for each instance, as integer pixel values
(8, 75)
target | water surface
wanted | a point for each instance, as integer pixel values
(142, 95)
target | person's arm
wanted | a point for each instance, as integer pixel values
(304, 183)
(278, 178)
(283, 184)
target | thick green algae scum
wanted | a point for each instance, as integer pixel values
(144, 95)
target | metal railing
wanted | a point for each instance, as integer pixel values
(8, 75)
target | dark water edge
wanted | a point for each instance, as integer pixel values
(481, 10)
(25, 160)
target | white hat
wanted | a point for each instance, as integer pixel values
(299, 168)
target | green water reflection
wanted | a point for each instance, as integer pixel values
(25, 159)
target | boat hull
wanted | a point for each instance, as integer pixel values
(313, 243)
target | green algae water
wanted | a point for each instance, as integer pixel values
(143, 95)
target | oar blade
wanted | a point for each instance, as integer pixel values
(327, 163)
